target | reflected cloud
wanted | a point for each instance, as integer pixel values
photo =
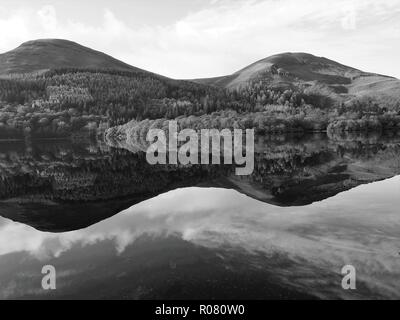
(358, 227)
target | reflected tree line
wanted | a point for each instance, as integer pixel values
(67, 171)
(62, 186)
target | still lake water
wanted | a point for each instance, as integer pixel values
(115, 227)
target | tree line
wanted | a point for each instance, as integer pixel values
(65, 101)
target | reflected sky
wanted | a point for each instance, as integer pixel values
(303, 248)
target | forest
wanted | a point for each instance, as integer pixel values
(62, 103)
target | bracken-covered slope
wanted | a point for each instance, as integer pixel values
(304, 68)
(45, 54)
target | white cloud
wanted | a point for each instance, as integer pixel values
(230, 34)
(14, 30)
(47, 17)
(349, 18)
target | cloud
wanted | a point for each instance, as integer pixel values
(228, 35)
(14, 30)
(349, 18)
(326, 235)
(47, 17)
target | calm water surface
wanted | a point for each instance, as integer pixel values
(115, 227)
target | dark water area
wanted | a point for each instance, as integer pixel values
(117, 227)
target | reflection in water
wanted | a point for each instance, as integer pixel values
(215, 242)
(64, 186)
(297, 251)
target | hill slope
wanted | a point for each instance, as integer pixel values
(58, 88)
(45, 54)
(303, 68)
(86, 90)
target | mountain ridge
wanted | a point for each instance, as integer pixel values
(289, 70)
(281, 62)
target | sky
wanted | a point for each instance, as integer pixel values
(203, 38)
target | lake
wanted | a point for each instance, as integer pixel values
(116, 227)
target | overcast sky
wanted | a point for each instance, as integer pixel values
(203, 38)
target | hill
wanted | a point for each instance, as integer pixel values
(295, 69)
(58, 88)
(45, 54)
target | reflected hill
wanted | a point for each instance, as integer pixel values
(292, 170)
(61, 186)
(227, 246)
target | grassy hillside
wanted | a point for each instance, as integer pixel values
(302, 69)
(58, 88)
(46, 54)
(290, 67)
